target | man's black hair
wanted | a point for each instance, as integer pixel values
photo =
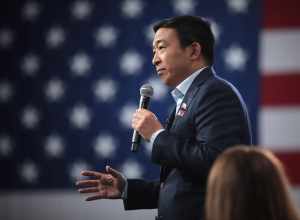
(191, 29)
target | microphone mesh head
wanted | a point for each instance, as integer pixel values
(146, 90)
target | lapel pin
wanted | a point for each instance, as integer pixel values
(182, 110)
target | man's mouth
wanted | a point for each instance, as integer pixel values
(159, 71)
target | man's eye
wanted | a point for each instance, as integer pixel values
(161, 47)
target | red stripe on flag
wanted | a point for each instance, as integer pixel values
(291, 163)
(281, 89)
(281, 14)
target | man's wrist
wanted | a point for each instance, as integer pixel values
(154, 135)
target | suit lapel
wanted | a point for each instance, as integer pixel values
(189, 96)
(171, 121)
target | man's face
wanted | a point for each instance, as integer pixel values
(171, 61)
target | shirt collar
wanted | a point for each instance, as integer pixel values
(180, 90)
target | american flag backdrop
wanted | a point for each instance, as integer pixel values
(279, 56)
(71, 72)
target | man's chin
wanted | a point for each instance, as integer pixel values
(163, 78)
(167, 82)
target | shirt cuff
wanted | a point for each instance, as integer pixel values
(154, 135)
(125, 189)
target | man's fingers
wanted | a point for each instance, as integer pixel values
(86, 183)
(89, 190)
(90, 173)
(91, 198)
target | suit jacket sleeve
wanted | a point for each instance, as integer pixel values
(141, 194)
(217, 120)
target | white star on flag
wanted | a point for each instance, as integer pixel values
(80, 116)
(6, 38)
(6, 145)
(235, 58)
(238, 6)
(105, 90)
(105, 146)
(131, 62)
(76, 168)
(160, 90)
(55, 37)
(216, 29)
(147, 148)
(6, 91)
(54, 146)
(30, 117)
(183, 7)
(29, 172)
(132, 8)
(106, 36)
(54, 90)
(126, 114)
(31, 10)
(80, 64)
(81, 9)
(30, 64)
(149, 33)
(132, 169)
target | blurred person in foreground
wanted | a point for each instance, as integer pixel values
(247, 184)
(209, 116)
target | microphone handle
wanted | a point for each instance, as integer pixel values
(136, 137)
(144, 102)
(136, 140)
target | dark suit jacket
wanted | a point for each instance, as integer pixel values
(213, 117)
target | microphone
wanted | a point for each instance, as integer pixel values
(146, 92)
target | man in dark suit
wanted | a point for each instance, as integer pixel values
(209, 116)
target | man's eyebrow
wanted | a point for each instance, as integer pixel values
(157, 42)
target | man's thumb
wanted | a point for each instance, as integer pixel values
(113, 172)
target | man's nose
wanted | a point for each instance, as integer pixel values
(155, 60)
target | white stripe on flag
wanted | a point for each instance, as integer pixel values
(279, 128)
(279, 51)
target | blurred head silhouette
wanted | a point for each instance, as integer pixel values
(247, 183)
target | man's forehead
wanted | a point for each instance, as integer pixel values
(163, 35)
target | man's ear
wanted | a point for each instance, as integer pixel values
(195, 50)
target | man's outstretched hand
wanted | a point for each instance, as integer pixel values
(108, 185)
